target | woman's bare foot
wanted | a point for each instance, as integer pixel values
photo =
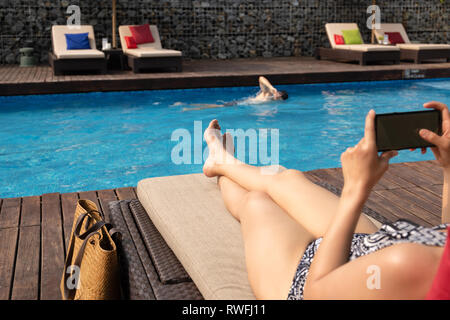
(221, 148)
(228, 143)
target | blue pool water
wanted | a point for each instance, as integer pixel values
(76, 142)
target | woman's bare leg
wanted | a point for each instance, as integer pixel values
(267, 231)
(274, 242)
(310, 205)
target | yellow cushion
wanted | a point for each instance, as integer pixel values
(352, 36)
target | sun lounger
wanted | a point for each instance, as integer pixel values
(417, 52)
(149, 55)
(190, 215)
(363, 53)
(62, 60)
(149, 268)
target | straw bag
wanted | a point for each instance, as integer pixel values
(91, 271)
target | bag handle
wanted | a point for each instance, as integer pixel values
(69, 294)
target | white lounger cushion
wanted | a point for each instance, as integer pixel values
(150, 52)
(423, 46)
(366, 47)
(190, 215)
(60, 44)
(398, 27)
(146, 50)
(80, 54)
(336, 28)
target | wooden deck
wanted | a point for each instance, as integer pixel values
(34, 234)
(409, 190)
(212, 73)
(34, 231)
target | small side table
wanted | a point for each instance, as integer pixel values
(26, 57)
(114, 58)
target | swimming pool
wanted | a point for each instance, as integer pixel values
(77, 142)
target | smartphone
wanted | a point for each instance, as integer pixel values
(397, 131)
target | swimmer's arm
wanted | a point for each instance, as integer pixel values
(265, 86)
(203, 106)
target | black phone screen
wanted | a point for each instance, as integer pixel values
(397, 131)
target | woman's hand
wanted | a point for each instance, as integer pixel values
(361, 165)
(442, 143)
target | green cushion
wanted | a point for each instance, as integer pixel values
(352, 36)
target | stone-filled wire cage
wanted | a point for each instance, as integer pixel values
(218, 29)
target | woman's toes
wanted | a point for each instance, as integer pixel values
(215, 124)
(213, 132)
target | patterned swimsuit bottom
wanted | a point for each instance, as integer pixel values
(401, 231)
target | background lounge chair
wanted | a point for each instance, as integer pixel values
(62, 60)
(417, 52)
(149, 55)
(355, 52)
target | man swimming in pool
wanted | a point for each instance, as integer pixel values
(266, 94)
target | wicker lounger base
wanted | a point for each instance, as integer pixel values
(140, 280)
(363, 57)
(423, 55)
(60, 66)
(168, 267)
(141, 64)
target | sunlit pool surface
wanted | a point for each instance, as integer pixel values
(76, 142)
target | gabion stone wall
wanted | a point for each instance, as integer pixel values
(218, 29)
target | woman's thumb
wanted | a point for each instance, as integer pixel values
(386, 156)
(430, 136)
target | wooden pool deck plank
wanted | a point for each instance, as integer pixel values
(213, 73)
(34, 231)
(404, 192)
(26, 273)
(126, 193)
(31, 211)
(10, 213)
(68, 205)
(104, 197)
(8, 244)
(52, 247)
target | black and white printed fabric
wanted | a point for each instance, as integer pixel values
(401, 231)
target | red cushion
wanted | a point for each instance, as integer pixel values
(339, 39)
(142, 34)
(440, 289)
(131, 43)
(395, 37)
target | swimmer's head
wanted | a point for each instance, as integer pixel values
(281, 95)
